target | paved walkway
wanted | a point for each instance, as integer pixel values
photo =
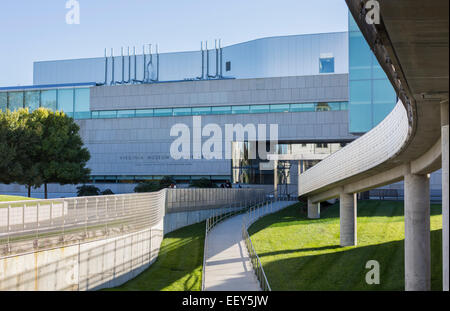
(228, 266)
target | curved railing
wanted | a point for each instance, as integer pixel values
(42, 224)
(375, 147)
(220, 215)
(253, 214)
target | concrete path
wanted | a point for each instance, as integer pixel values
(228, 266)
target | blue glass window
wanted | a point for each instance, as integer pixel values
(48, 99)
(82, 104)
(144, 113)
(3, 101)
(221, 110)
(125, 113)
(162, 112)
(279, 108)
(360, 106)
(326, 65)
(259, 108)
(384, 98)
(65, 101)
(334, 106)
(240, 109)
(15, 100)
(181, 111)
(201, 110)
(302, 107)
(107, 114)
(360, 57)
(32, 100)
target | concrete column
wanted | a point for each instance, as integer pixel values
(313, 209)
(347, 217)
(275, 178)
(417, 232)
(445, 159)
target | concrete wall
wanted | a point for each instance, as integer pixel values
(110, 262)
(83, 266)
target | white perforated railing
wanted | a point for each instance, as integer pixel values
(41, 224)
(373, 148)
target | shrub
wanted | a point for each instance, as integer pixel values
(107, 192)
(87, 190)
(202, 183)
(147, 186)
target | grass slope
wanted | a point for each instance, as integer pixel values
(6, 198)
(178, 266)
(303, 254)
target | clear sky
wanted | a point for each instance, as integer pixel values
(32, 30)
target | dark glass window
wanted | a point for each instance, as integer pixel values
(228, 66)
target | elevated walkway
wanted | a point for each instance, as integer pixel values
(410, 143)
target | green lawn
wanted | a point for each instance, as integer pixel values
(6, 198)
(179, 264)
(302, 254)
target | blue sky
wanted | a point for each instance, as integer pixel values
(32, 30)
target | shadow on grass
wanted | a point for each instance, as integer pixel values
(366, 208)
(178, 266)
(345, 270)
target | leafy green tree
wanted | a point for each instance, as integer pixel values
(87, 190)
(202, 183)
(18, 152)
(62, 157)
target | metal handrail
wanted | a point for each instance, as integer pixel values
(253, 214)
(251, 208)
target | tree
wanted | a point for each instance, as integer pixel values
(151, 186)
(202, 183)
(18, 150)
(61, 156)
(87, 190)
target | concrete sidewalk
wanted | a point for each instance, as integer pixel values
(228, 266)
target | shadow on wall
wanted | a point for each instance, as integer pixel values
(86, 266)
(345, 270)
(178, 266)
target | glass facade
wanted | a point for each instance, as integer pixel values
(371, 95)
(194, 111)
(32, 100)
(73, 101)
(248, 170)
(15, 100)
